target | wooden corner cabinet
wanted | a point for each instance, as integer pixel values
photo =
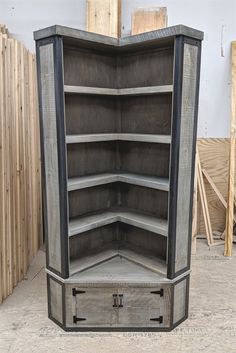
(118, 135)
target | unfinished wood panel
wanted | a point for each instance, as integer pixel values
(104, 17)
(214, 156)
(148, 19)
(230, 203)
(20, 177)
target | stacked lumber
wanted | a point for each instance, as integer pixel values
(20, 179)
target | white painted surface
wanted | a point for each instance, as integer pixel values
(215, 17)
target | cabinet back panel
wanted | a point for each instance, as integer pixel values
(91, 158)
(147, 68)
(93, 241)
(146, 115)
(86, 68)
(92, 199)
(142, 241)
(145, 158)
(142, 199)
(86, 114)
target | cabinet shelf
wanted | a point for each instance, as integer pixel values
(149, 223)
(82, 138)
(135, 91)
(107, 178)
(103, 262)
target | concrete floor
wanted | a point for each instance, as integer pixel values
(211, 327)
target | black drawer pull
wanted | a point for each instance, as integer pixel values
(115, 301)
(160, 292)
(76, 319)
(120, 300)
(160, 319)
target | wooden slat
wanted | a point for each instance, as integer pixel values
(202, 193)
(118, 137)
(20, 193)
(230, 204)
(104, 17)
(148, 19)
(133, 91)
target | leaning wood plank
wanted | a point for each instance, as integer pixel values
(104, 17)
(148, 19)
(202, 193)
(230, 205)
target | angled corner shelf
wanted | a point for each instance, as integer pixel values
(81, 138)
(118, 121)
(135, 91)
(129, 178)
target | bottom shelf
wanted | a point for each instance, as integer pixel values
(113, 265)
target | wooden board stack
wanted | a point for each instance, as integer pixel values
(20, 179)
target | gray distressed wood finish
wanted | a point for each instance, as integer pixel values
(118, 109)
(135, 91)
(55, 300)
(114, 42)
(50, 155)
(129, 178)
(150, 223)
(118, 137)
(185, 155)
(139, 306)
(180, 292)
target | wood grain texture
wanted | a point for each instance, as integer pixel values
(214, 156)
(104, 17)
(230, 203)
(186, 154)
(55, 298)
(20, 179)
(47, 80)
(148, 19)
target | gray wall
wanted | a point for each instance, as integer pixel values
(216, 18)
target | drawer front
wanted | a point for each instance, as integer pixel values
(145, 307)
(92, 307)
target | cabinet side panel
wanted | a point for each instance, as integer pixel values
(55, 298)
(186, 156)
(50, 152)
(180, 300)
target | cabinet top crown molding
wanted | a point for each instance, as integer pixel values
(150, 38)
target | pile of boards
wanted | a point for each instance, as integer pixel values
(20, 178)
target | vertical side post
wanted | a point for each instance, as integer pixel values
(53, 147)
(184, 129)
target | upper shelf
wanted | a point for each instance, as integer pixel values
(135, 91)
(118, 137)
(130, 178)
